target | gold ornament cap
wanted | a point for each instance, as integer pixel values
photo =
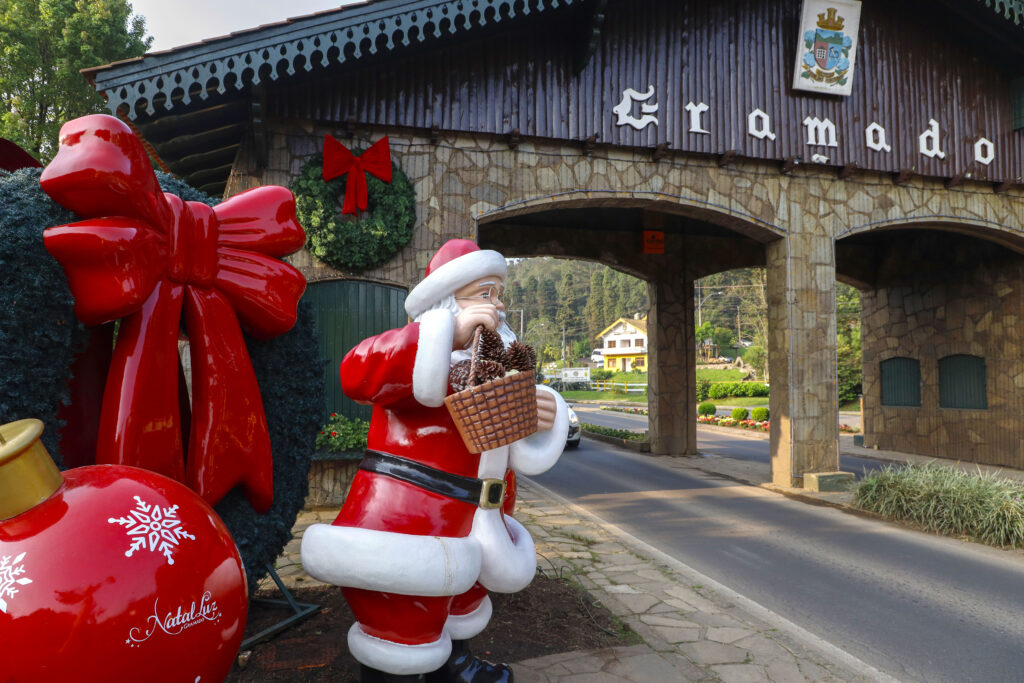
(28, 475)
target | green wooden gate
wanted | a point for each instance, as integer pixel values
(346, 312)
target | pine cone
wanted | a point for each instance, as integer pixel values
(492, 347)
(486, 370)
(521, 357)
(458, 376)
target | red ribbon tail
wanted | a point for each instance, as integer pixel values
(139, 422)
(229, 444)
(355, 174)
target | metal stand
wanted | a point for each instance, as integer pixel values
(302, 611)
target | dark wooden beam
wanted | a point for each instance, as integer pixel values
(956, 180)
(202, 160)
(169, 127)
(788, 165)
(848, 170)
(183, 145)
(209, 175)
(728, 157)
(589, 144)
(514, 138)
(904, 176)
(1005, 185)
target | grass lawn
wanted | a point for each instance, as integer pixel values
(603, 396)
(739, 401)
(851, 407)
(716, 375)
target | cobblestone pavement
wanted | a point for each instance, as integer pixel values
(692, 628)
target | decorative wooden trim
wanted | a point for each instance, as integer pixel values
(315, 41)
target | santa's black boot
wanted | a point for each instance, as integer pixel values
(463, 667)
(368, 675)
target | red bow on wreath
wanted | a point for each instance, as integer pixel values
(142, 256)
(338, 161)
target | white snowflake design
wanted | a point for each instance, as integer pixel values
(10, 570)
(156, 529)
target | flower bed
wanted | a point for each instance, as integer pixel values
(719, 421)
(631, 411)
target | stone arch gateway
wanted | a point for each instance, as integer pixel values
(569, 127)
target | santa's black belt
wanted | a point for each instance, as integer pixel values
(486, 493)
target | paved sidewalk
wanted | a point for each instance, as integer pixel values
(693, 629)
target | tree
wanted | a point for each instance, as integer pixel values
(595, 305)
(43, 45)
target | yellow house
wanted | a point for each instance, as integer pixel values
(624, 345)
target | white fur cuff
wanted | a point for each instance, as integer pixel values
(398, 658)
(388, 561)
(433, 357)
(465, 626)
(508, 557)
(540, 451)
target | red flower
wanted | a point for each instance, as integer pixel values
(334, 433)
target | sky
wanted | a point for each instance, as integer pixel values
(173, 23)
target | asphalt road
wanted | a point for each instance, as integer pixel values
(916, 606)
(715, 441)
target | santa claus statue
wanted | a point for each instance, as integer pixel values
(426, 530)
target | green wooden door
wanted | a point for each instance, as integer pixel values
(347, 312)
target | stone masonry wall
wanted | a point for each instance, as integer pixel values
(971, 304)
(464, 181)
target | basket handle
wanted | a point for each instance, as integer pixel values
(472, 361)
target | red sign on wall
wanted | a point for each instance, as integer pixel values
(654, 242)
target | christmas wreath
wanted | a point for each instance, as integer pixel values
(40, 338)
(359, 242)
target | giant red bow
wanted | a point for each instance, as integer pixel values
(338, 161)
(142, 255)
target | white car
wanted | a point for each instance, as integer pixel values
(597, 356)
(573, 438)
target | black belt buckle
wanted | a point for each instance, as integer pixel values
(492, 493)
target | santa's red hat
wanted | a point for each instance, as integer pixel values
(456, 264)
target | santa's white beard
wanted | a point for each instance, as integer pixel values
(451, 305)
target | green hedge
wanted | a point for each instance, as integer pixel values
(617, 433)
(706, 409)
(726, 389)
(343, 435)
(740, 413)
(759, 414)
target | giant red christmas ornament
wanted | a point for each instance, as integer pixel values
(153, 261)
(111, 573)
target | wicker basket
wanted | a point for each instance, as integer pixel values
(495, 413)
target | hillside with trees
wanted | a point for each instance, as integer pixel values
(550, 299)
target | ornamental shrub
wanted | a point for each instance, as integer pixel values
(740, 413)
(703, 389)
(706, 409)
(600, 375)
(617, 433)
(759, 414)
(718, 390)
(343, 435)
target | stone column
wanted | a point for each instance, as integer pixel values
(802, 357)
(672, 381)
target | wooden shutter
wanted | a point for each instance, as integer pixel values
(901, 382)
